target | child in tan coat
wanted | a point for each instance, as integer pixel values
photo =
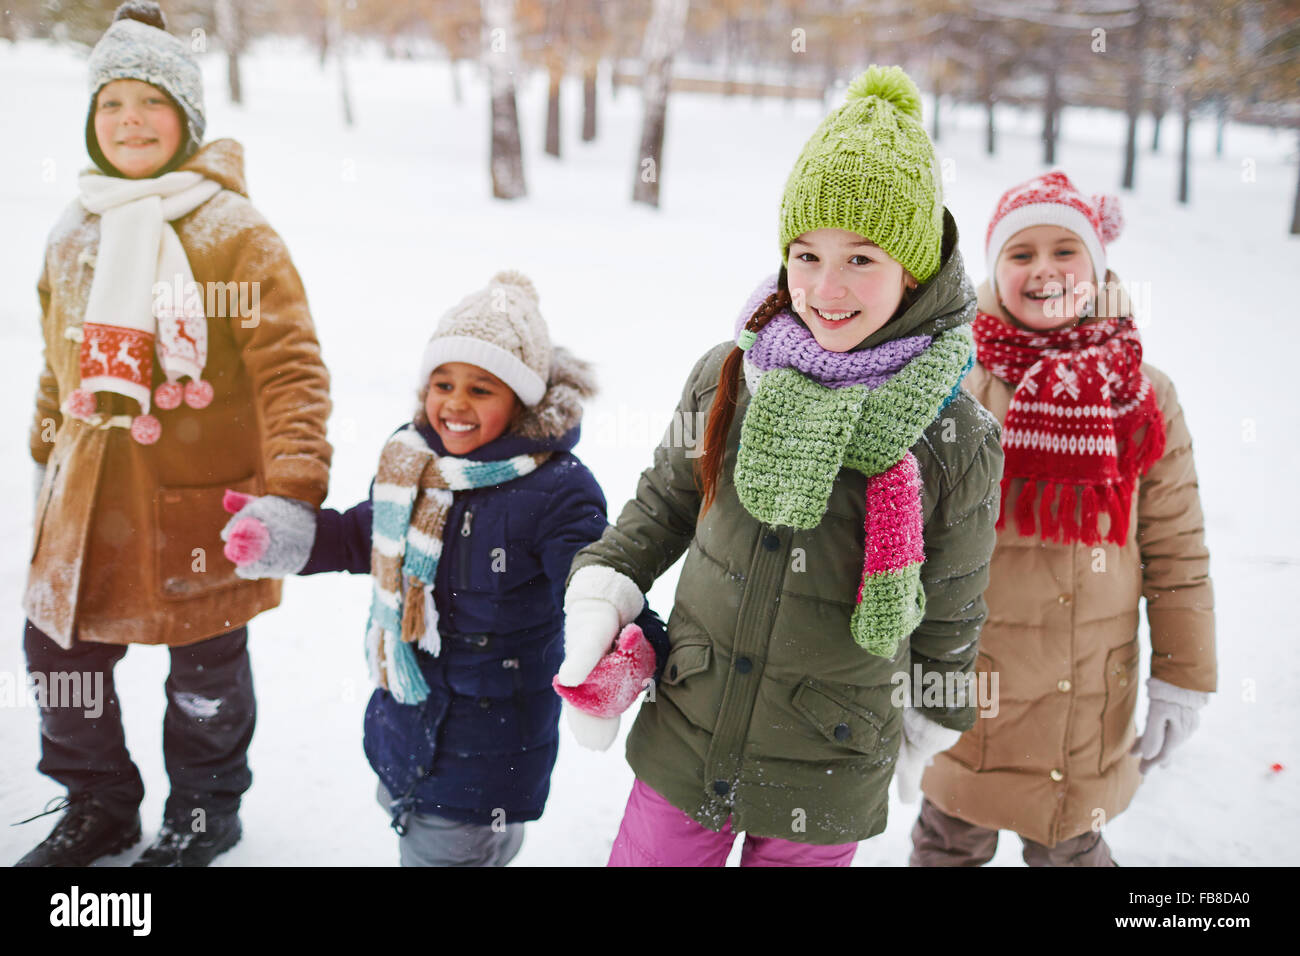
(1099, 510)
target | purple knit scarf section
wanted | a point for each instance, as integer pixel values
(785, 342)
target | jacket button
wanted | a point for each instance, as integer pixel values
(1063, 686)
(771, 541)
(744, 665)
(672, 672)
(720, 787)
(1057, 776)
(842, 732)
(1063, 599)
(1123, 682)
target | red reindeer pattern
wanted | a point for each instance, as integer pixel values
(125, 354)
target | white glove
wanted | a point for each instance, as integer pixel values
(1171, 718)
(922, 739)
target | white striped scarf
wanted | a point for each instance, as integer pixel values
(411, 500)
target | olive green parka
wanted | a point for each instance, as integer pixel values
(768, 712)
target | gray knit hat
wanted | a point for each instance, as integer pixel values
(500, 329)
(137, 46)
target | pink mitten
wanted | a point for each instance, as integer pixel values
(249, 538)
(616, 680)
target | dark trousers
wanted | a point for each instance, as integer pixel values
(206, 729)
(941, 840)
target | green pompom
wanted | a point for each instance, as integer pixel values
(892, 85)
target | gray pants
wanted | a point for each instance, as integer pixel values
(432, 840)
(941, 840)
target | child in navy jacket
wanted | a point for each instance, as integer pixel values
(473, 519)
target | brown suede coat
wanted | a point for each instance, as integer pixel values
(127, 545)
(1062, 637)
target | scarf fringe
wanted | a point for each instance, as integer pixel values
(413, 618)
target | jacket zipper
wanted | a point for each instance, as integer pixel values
(463, 564)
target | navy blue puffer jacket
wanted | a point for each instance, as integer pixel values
(481, 748)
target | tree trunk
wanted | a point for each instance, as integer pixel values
(934, 122)
(589, 103)
(507, 162)
(1133, 103)
(662, 38)
(1157, 114)
(337, 45)
(457, 94)
(1184, 156)
(553, 113)
(1220, 121)
(1051, 118)
(990, 134)
(1295, 215)
(229, 28)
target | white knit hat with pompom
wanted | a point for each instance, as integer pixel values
(1052, 200)
(498, 328)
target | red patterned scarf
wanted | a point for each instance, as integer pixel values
(1080, 399)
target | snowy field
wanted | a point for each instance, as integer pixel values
(390, 222)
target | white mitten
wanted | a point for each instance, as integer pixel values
(598, 603)
(594, 733)
(922, 739)
(1171, 718)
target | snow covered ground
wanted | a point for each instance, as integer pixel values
(390, 222)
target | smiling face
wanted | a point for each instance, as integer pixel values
(137, 126)
(469, 406)
(1045, 278)
(843, 286)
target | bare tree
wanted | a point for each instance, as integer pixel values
(663, 36)
(230, 29)
(507, 161)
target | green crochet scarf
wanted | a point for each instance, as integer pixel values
(798, 434)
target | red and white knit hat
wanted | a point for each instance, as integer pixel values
(1052, 200)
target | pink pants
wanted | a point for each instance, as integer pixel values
(656, 833)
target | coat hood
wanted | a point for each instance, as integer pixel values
(222, 161)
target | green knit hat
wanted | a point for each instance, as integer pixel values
(870, 169)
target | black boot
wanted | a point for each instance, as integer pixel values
(86, 832)
(181, 846)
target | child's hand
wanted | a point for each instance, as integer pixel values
(590, 628)
(616, 680)
(268, 537)
(922, 739)
(1171, 719)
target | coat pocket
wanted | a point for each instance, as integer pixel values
(969, 749)
(686, 659)
(840, 720)
(189, 522)
(1117, 730)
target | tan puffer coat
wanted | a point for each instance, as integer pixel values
(1061, 636)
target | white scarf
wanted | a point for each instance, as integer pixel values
(143, 294)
